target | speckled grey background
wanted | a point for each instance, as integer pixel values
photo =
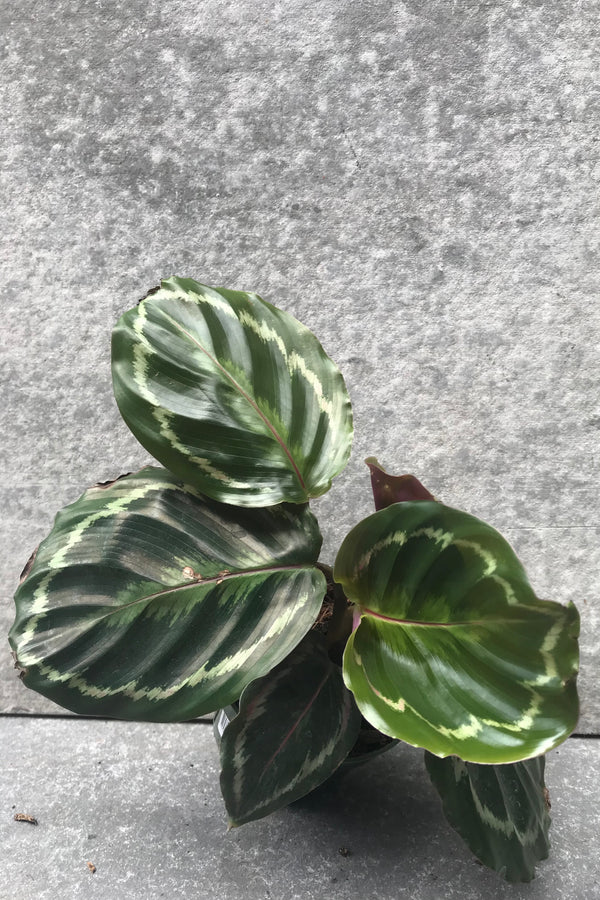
(418, 183)
(149, 816)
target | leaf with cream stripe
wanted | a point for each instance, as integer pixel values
(501, 812)
(149, 601)
(231, 394)
(454, 652)
(295, 726)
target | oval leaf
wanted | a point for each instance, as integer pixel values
(501, 812)
(148, 601)
(231, 394)
(454, 653)
(295, 727)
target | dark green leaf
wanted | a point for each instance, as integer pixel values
(295, 726)
(231, 394)
(148, 601)
(454, 652)
(501, 812)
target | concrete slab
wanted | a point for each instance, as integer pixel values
(142, 804)
(416, 183)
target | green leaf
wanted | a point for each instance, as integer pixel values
(501, 812)
(295, 727)
(454, 652)
(148, 601)
(233, 395)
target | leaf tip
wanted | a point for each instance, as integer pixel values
(28, 566)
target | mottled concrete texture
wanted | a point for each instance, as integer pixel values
(142, 804)
(416, 182)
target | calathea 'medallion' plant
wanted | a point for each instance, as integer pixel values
(181, 590)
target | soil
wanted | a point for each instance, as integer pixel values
(323, 619)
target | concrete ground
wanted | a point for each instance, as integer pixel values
(141, 804)
(417, 183)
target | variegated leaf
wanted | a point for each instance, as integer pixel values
(454, 652)
(501, 812)
(148, 601)
(231, 394)
(295, 727)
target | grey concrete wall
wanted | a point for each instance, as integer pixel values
(417, 182)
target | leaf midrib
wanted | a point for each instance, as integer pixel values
(200, 582)
(394, 621)
(307, 708)
(243, 393)
(113, 610)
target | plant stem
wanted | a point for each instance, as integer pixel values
(340, 625)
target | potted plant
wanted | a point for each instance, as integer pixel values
(196, 586)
